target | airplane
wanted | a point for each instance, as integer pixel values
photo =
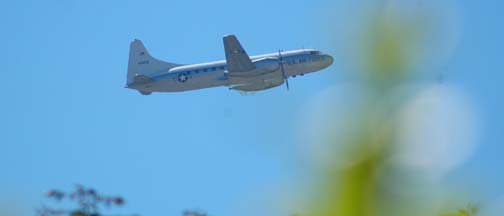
(238, 72)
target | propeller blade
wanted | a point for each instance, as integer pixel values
(280, 58)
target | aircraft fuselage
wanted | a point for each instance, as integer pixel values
(214, 74)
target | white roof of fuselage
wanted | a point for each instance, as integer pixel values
(223, 62)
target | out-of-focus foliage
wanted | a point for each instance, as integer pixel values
(369, 174)
(88, 202)
(470, 210)
(389, 47)
(194, 213)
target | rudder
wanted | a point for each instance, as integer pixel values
(142, 63)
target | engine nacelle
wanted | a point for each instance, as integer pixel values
(263, 66)
(267, 64)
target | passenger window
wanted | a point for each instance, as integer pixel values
(205, 70)
(222, 67)
(214, 69)
(196, 71)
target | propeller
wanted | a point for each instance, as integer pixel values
(280, 61)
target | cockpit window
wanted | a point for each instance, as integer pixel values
(314, 52)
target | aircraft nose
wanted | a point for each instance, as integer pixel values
(328, 60)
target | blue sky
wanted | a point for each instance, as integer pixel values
(66, 118)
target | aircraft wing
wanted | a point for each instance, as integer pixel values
(258, 85)
(236, 57)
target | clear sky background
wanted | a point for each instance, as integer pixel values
(65, 117)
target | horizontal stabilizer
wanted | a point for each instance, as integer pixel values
(145, 92)
(142, 79)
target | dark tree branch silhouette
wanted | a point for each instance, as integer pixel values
(88, 202)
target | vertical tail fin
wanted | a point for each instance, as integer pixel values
(142, 63)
